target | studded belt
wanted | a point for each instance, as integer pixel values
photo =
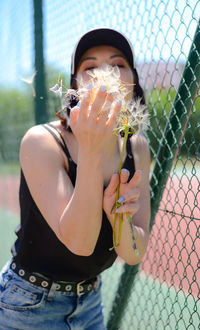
(43, 282)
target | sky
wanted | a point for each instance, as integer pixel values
(159, 30)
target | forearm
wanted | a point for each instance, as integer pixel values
(80, 223)
(126, 250)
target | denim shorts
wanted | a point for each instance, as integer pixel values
(27, 306)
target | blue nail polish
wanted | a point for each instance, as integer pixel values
(125, 170)
(103, 88)
(121, 199)
(139, 171)
(90, 86)
(78, 104)
(119, 103)
(116, 211)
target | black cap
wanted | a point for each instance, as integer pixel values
(101, 36)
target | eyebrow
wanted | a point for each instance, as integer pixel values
(88, 58)
(118, 55)
(94, 58)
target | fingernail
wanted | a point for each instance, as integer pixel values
(139, 171)
(78, 104)
(125, 170)
(116, 211)
(121, 199)
(103, 88)
(90, 86)
(119, 103)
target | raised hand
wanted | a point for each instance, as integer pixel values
(93, 120)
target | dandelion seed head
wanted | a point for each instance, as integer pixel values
(132, 114)
(105, 75)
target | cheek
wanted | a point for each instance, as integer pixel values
(83, 79)
(127, 77)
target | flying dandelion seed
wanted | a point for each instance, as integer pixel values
(57, 89)
(30, 80)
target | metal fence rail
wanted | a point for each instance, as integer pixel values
(163, 292)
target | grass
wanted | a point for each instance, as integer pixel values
(10, 168)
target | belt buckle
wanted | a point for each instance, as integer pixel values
(79, 288)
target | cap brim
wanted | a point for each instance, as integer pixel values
(99, 37)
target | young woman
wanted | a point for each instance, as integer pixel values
(68, 187)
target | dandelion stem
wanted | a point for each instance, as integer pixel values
(115, 244)
(126, 132)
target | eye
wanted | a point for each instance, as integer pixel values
(89, 68)
(120, 65)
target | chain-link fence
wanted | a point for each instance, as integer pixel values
(163, 292)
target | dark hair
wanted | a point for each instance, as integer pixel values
(138, 91)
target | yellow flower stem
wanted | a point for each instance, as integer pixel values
(115, 244)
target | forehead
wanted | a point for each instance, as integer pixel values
(102, 50)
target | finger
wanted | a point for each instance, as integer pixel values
(130, 208)
(131, 196)
(102, 118)
(84, 103)
(97, 105)
(112, 186)
(136, 179)
(108, 103)
(104, 113)
(124, 175)
(113, 115)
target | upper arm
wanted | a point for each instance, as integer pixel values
(42, 162)
(142, 160)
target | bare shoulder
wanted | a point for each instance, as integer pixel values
(138, 141)
(141, 152)
(38, 144)
(35, 135)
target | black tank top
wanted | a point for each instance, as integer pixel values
(37, 248)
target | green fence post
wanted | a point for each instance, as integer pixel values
(40, 86)
(177, 120)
